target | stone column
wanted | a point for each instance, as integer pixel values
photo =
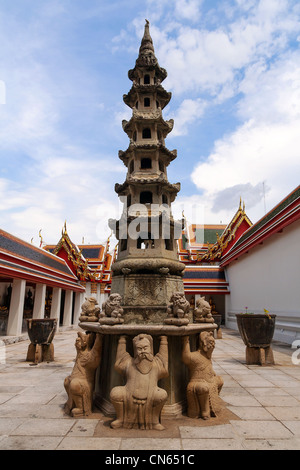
(39, 301)
(77, 306)
(15, 317)
(67, 318)
(55, 305)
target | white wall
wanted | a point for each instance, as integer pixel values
(269, 277)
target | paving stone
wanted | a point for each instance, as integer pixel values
(30, 443)
(7, 425)
(211, 444)
(220, 431)
(285, 413)
(83, 428)
(89, 443)
(251, 413)
(261, 429)
(44, 427)
(281, 401)
(150, 444)
(244, 400)
(293, 426)
(271, 444)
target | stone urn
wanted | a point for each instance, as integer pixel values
(41, 332)
(257, 332)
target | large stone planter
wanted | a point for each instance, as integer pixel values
(41, 332)
(257, 332)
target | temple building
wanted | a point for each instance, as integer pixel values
(34, 284)
(90, 263)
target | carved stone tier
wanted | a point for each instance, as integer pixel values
(175, 384)
(146, 263)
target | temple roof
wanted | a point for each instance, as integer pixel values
(282, 215)
(88, 262)
(19, 259)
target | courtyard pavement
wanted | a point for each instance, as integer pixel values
(262, 405)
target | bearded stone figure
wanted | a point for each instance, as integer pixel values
(80, 384)
(204, 385)
(139, 403)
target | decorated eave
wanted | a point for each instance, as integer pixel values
(22, 260)
(282, 215)
(88, 262)
(142, 117)
(131, 97)
(168, 155)
(205, 280)
(172, 188)
(234, 230)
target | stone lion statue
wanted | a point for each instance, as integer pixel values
(90, 310)
(112, 311)
(202, 312)
(178, 309)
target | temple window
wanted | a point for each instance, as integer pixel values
(164, 199)
(147, 79)
(134, 136)
(123, 245)
(146, 197)
(137, 105)
(146, 163)
(161, 166)
(146, 102)
(145, 244)
(157, 104)
(131, 166)
(147, 133)
(168, 244)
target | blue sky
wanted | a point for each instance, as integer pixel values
(234, 73)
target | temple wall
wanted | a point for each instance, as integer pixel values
(268, 277)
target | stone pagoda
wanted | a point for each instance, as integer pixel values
(149, 335)
(147, 270)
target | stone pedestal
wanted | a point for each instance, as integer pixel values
(175, 384)
(40, 353)
(259, 356)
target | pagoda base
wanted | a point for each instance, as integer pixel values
(175, 384)
(145, 297)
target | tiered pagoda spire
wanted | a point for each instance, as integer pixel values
(146, 230)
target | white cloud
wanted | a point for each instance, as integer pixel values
(264, 148)
(188, 111)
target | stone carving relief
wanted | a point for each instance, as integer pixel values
(112, 310)
(90, 310)
(204, 385)
(80, 384)
(202, 312)
(178, 310)
(139, 403)
(145, 292)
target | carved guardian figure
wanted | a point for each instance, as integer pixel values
(139, 403)
(80, 384)
(204, 385)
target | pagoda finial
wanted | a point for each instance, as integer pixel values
(146, 47)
